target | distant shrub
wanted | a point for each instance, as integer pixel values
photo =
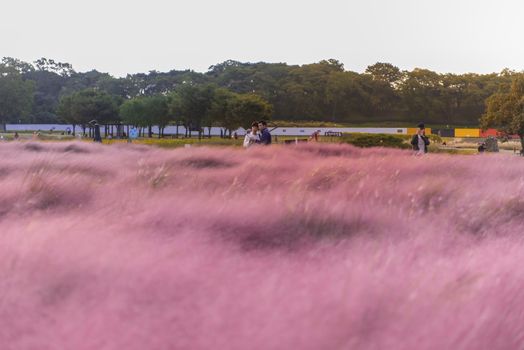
(435, 138)
(377, 140)
(56, 137)
(455, 151)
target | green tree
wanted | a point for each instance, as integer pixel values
(421, 94)
(132, 112)
(385, 72)
(21, 66)
(306, 89)
(144, 112)
(346, 96)
(191, 104)
(157, 111)
(220, 112)
(505, 110)
(247, 108)
(65, 112)
(49, 78)
(50, 65)
(322, 91)
(48, 87)
(16, 95)
(84, 106)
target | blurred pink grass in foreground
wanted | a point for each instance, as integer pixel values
(313, 247)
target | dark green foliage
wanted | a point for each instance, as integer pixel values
(207, 105)
(84, 106)
(16, 95)
(322, 91)
(377, 140)
(191, 104)
(146, 111)
(505, 110)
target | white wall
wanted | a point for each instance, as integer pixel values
(215, 131)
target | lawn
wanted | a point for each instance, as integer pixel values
(463, 146)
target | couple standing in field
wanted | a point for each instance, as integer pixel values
(259, 135)
(420, 141)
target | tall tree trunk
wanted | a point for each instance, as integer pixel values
(521, 145)
(74, 129)
(177, 130)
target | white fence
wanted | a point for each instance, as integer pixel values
(216, 131)
(283, 131)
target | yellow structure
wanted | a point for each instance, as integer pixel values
(413, 131)
(467, 132)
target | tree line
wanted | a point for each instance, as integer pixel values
(232, 93)
(192, 106)
(505, 110)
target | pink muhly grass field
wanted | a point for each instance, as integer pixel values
(311, 247)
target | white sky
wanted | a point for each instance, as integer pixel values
(131, 36)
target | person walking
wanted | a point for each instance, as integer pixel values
(314, 136)
(252, 137)
(98, 137)
(420, 141)
(133, 135)
(265, 135)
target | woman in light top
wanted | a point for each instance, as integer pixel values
(252, 137)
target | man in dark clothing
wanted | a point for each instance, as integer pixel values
(265, 135)
(420, 141)
(482, 147)
(98, 137)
